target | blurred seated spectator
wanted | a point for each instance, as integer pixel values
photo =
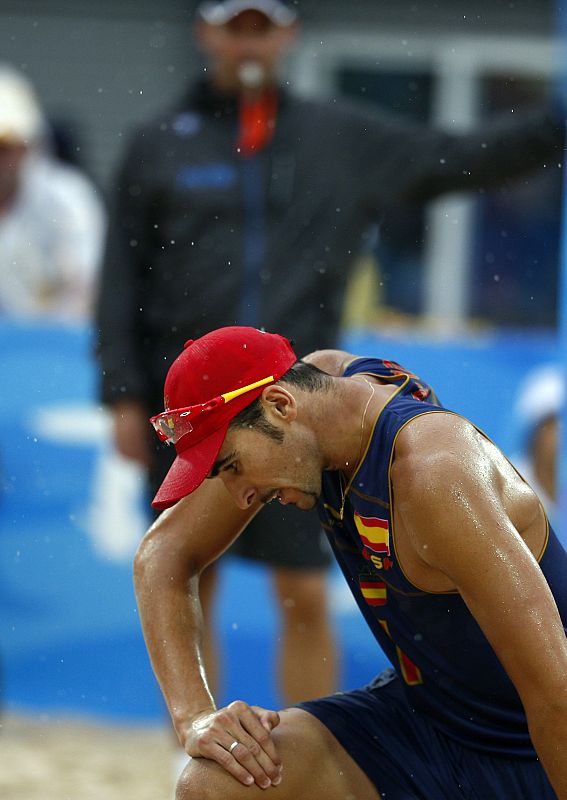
(538, 409)
(52, 221)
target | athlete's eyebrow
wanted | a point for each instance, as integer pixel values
(220, 464)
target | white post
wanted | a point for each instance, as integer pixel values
(449, 220)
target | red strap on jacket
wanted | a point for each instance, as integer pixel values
(257, 123)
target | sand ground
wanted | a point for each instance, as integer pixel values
(63, 759)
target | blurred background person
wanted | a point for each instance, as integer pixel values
(245, 204)
(52, 220)
(541, 398)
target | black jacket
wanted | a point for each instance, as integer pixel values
(202, 237)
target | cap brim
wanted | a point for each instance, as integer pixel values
(189, 470)
(220, 13)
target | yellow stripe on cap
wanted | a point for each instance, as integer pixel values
(243, 389)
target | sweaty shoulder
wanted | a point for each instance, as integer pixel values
(437, 436)
(333, 362)
(442, 456)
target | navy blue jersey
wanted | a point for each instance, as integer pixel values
(449, 670)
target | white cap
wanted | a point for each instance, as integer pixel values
(541, 395)
(21, 119)
(219, 13)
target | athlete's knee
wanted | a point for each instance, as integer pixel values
(203, 779)
(186, 788)
(303, 746)
(199, 781)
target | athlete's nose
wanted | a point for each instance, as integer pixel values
(243, 494)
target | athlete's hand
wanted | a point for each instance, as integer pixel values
(254, 759)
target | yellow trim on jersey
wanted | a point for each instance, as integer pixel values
(376, 500)
(369, 442)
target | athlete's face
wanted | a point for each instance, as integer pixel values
(255, 467)
(250, 38)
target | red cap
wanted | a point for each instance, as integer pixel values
(208, 384)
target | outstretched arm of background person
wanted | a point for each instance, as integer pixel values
(411, 163)
(497, 151)
(180, 544)
(453, 497)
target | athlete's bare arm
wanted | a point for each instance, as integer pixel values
(333, 362)
(455, 496)
(180, 544)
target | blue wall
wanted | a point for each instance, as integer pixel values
(70, 638)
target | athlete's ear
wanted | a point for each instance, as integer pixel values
(279, 402)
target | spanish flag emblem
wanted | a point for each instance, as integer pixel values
(374, 592)
(374, 533)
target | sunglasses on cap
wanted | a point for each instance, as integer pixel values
(175, 423)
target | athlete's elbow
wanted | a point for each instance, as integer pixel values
(163, 560)
(143, 561)
(152, 555)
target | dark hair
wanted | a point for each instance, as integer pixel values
(304, 376)
(308, 377)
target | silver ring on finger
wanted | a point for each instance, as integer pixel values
(233, 745)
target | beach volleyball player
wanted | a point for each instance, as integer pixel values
(446, 548)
